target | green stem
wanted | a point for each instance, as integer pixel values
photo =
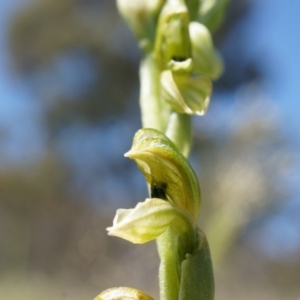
(169, 269)
(179, 131)
(155, 112)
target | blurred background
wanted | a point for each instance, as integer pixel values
(68, 111)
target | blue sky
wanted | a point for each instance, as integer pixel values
(275, 34)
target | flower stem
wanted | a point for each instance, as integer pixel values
(179, 131)
(169, 269)
(155, 112)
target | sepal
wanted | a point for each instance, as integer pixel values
(146, 221)
(206, 60)
(172, 44)
(186, 94)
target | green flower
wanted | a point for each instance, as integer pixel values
(167, 171)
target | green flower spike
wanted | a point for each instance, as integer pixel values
(167, 172)
(186, 94)
(123, 293)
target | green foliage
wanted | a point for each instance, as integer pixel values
(197, 273)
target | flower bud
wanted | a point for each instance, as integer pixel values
(141, 16)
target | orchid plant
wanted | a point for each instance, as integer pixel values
(176, 72)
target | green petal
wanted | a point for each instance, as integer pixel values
(186, 94)
(206, 60)
(166, 170)
(145, 222)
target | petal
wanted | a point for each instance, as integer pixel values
(172, 36)
(206, 60)
(145, 222)
(186, 94)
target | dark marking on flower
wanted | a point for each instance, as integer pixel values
(159, 191)
(179, 58)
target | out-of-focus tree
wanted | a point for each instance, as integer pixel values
(69, 50)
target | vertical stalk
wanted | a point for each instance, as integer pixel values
(179, 131)
(169, 269)
(154, 111)
(155, 114)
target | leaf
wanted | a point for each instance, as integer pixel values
(197, 279)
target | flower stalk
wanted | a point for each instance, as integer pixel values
(176, 72)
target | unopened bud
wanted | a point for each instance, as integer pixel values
(141, 16)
